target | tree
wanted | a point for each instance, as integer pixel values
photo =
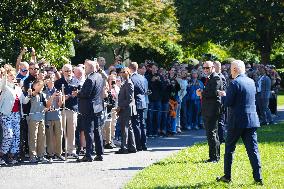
(48, 26)
(256, 22)
(122, 24)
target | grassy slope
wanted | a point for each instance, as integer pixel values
(280, 98)
(186, 169)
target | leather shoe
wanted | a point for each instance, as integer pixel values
(85, 159)
(259, 182)
(211, 161)
(108, 146)
(98, 158)
(120, 151)
(223, 179)
(144, 148)
(132, 151)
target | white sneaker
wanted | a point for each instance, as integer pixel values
(13, 162)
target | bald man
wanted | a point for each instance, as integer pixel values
(211, 106)
(242, 122)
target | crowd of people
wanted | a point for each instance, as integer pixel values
(48, 114)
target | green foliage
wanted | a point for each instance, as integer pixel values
(198, 52)
(139, 23)
(45, 25)
(186, 169)
(259, 23)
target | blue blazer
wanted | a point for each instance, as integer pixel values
(140, 90)
(240, 99)
(91, 94)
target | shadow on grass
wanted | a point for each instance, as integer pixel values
(196, 185)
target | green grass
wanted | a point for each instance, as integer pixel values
(186, 169)
(280, 98)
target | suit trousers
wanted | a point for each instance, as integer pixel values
(36, 138)
(211, 127)
(92, 130)
(54, 137)
(69, 120)
(139, 128)
(249, 138)
(127, 134)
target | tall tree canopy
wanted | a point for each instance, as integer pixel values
(45, 25)
(247, 22)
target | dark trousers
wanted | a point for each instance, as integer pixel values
(24, 142)
(139, 128)
(165, 117)
(221, 127)
(92, 132)
(78, 130)
(183, 113)
(249, 138)
(127, 134)
(154, 117)
(211, 127)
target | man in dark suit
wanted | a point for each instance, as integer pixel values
(138, 121)
(126, 108)
(243, 121)
(90, 107)
(211, 105)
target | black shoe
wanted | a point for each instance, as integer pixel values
(259, 182)
(132, 151)
(263, 124)
(120, 151)
(98, 158)
(85, 159)
(223, 179)
(139, 149)
(108, 146)
(144, 148)
(211, 161)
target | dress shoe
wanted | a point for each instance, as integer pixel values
(85, 159)
(223, 179)
(144, 148)
(108, 146)
(259, 182)
(120, 151)
(98, 158)
(211, 161)
(139, 149)
(132, 151)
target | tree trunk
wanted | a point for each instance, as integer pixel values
(265, 47)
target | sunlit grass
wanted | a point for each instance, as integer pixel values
(187, 170)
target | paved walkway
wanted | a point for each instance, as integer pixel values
(114, 172)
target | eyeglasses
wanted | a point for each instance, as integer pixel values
(123, 72)
(206, 68)
(24, 70)
(67, 71)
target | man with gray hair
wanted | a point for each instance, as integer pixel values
(69, 122)
(242, 122)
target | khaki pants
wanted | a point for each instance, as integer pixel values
(69, 120)
(109, 128)
(54, 137)
(36, 138)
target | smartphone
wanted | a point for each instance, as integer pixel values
(112, 82)
(18, 80)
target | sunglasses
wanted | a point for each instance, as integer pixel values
(24, 70)
(206, 68)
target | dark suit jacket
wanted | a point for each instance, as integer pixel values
(126, 101)
(211, 102)
(140, 90)
(240, 99)
(91, 94)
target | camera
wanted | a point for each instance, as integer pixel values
(18, 80)
(112, 82)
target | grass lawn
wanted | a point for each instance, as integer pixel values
(280, 98)
(187, 170)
